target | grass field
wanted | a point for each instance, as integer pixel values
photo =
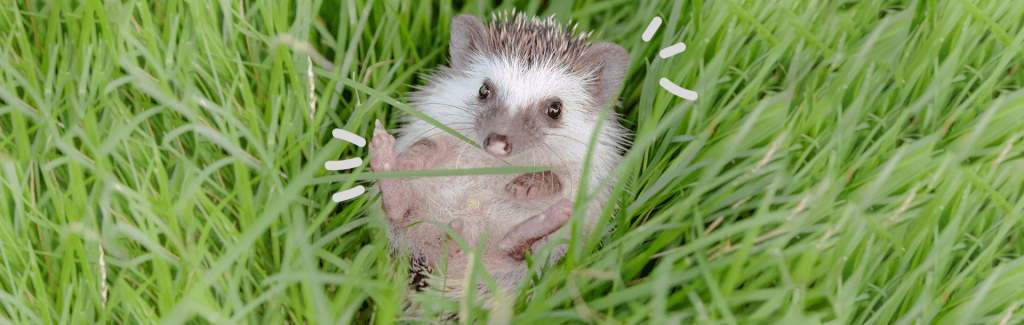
(846, 162)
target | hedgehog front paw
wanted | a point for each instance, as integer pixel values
(382, 149)
(530, 186)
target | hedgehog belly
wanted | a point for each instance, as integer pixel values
(484, 210)
(479, 203)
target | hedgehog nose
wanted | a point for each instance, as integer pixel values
(497, 145)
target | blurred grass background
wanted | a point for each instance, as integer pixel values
(846, 162)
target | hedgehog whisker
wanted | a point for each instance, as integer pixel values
(570, 138)
(449, 105)
(436, 128)
(564, 164)
(532, 175)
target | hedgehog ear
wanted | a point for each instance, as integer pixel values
(468, 35)
(610, 61)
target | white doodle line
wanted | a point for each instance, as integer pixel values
(666, 53)
(347, 164)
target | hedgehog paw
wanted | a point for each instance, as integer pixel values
(382, 149)
(530, 186)
(518, 240)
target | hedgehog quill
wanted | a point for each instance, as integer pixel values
(531, 92)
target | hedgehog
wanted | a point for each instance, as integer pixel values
(531, 92)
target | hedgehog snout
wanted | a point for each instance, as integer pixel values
(498, 145)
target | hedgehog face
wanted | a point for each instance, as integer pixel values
(526, 83)
(519, 108)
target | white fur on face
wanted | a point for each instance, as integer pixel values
(522, 88)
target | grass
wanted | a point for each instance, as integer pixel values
(846, 162)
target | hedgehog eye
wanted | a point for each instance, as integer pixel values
(555, 110)
(485, 92)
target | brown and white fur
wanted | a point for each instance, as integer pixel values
(531, 92)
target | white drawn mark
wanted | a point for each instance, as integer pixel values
(348, 194)
(347, 164)
(343, 164)
(349, 136)
(666, 53)
(651, 29)
(678, 91)
(672, 50)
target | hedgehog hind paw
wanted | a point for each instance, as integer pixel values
(519, 240)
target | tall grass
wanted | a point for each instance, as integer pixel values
(846, 162)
